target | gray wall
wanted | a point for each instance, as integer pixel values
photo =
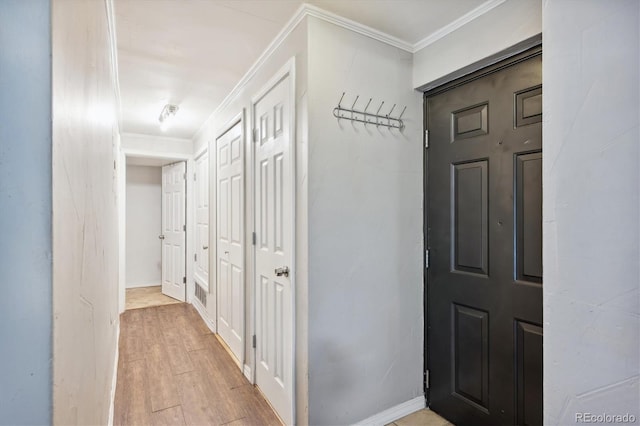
(591, 184)
(500, 28)
(25, 212)
(365, 231)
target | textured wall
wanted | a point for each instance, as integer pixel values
(25, 212)
(591, 222)
(500, 28)
(144, 211)
(365, 231)
(85, 216)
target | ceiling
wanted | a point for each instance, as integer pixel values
(193, 52)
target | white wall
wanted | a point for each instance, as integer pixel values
(25, 212)
(591, 221)
(85, 215)
(134, 144)
(365, 231)
(502, 27)
(294, 45)
(144, 213)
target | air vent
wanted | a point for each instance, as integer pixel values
(201, 295)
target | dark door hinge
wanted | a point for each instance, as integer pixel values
(254, 341)
(184, 280)
(184, 227)
(195, 257)
(253, 238)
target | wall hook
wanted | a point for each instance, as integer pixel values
(368, 117)
(394, 105)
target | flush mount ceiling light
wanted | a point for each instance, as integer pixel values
(168, 112)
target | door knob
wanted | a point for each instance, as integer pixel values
(282, 271)
(161, 237)
(205, 247)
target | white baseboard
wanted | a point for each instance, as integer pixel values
(396, 412)
(247, 373)
(203, 314)
(115, 377)
(139, 285)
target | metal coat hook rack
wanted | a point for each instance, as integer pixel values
(365, 117)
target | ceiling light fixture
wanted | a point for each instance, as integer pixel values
(168, 112)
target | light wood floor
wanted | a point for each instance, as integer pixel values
(424, 417)
(144, 297)
(173, 371)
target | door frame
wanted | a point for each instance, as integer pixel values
(287, 70)
(507, 58)
(238, 119)
(189, 215)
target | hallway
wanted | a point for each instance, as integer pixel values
(173, 371)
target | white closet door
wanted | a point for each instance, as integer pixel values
(274, 247)
(173, 230)
(230, 235)
(201, 270)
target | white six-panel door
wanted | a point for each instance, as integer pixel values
(173, 230)
(274, 251)
(201, 270)
(230, 239)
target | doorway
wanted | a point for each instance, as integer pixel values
(484, 239)
(155, 232)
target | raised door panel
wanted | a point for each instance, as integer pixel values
(274, 232)
(230, 239)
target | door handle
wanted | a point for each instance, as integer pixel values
(161, 237)
(205, 247)
(282, 271)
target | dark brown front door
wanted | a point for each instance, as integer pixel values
(484, 234)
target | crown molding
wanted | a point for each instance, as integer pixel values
(310, 10)
(275, 43)
(357, 27)
(461, 21)
(113, 56)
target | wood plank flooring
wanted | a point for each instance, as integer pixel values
(173, 371)
(424, 417)
(144, 297)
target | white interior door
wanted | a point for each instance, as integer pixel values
(173, 230)
(201, 270)
(274, 247)
(230, 235)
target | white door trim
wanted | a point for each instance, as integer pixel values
(238, 119)
(287, 70)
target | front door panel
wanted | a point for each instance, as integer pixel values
(484, 221)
